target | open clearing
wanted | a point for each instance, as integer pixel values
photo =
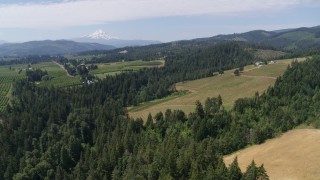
(105, 69)
(230, 87)
(268, 54)
(60, 77)
(295, 155)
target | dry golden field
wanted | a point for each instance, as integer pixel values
(230, 87)
(293, 156)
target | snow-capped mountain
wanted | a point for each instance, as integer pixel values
(100, 34)
(102, 37)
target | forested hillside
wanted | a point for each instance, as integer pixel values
(165, 50)
(293, 40)
(84, 132)
(134, 87)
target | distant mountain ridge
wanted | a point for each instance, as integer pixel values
(102, 37)
(298, 39)
(287, 39)
(48, 47)
(2, 42)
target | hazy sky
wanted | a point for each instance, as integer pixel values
(164, 20)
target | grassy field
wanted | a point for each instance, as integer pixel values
(119, 67)
(157, 101)
(295, 155)
(230, 87)
(59, 75)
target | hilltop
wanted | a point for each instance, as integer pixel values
(290, 39)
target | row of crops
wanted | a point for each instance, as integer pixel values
(58, 78)
(7, 76)
(3, 103)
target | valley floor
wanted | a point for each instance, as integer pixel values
(295, 155)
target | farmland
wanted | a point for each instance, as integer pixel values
(105, 69)
(7, 76)
(230, 87)
(59, 77)
(294, 155)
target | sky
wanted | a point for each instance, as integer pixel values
(163, 20)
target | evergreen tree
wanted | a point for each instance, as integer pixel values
(199, 109)
(149, 122)
(253, 172)
(234, 172)
(236, 72)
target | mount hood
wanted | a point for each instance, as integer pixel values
(102, 37)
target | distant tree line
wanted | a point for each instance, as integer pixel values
(163, 50)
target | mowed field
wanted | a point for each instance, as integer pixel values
(230, 87)
(293, 156)
(105, 69)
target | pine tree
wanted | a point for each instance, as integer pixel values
(220, 100)
(262, 174)
(253, 172)
(234, 170)
(210, 174)
(221, 170)
(149, 122)
(199, 109)
(236, 72)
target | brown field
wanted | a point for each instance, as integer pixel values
(230, 88)
(295, 155)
